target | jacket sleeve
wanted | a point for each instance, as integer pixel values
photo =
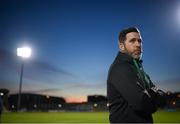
(158, 96)
(125, 80)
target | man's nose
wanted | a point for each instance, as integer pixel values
(137, 43)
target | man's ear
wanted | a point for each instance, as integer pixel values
(121, 46)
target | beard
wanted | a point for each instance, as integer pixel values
(136, 54)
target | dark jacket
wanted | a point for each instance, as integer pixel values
(125, 92)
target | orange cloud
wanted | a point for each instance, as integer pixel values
(76, 99)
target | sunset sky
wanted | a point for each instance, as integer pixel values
(75, 41)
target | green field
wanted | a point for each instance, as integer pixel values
(78, 117)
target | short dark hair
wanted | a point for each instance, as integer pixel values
(122, 34)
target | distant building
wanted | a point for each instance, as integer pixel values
(78, 107)
(37, 102)
(173, 100)
(98, 102)
(96, 98)
(32, 102)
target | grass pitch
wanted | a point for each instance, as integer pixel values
(78, 117)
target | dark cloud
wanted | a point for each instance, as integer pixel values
(46, 66)
(34, 70)
(44, 90)
(7, 56)
(85, 85)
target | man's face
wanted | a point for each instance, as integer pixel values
(132, 45)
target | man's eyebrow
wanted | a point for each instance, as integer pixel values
(139, 39)
(132, 39)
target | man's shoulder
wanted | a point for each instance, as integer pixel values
(120, 67)
(123, 58)
(120, 64)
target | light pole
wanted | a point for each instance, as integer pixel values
(23, 52)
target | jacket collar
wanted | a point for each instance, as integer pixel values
(123, 58)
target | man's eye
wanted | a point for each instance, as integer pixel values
(132, 41)
(139, 40)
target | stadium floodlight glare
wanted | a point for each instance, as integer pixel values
(1, 94)
(95, 104)
(24, 52)
(59, 105)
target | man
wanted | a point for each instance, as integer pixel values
(131, 95)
